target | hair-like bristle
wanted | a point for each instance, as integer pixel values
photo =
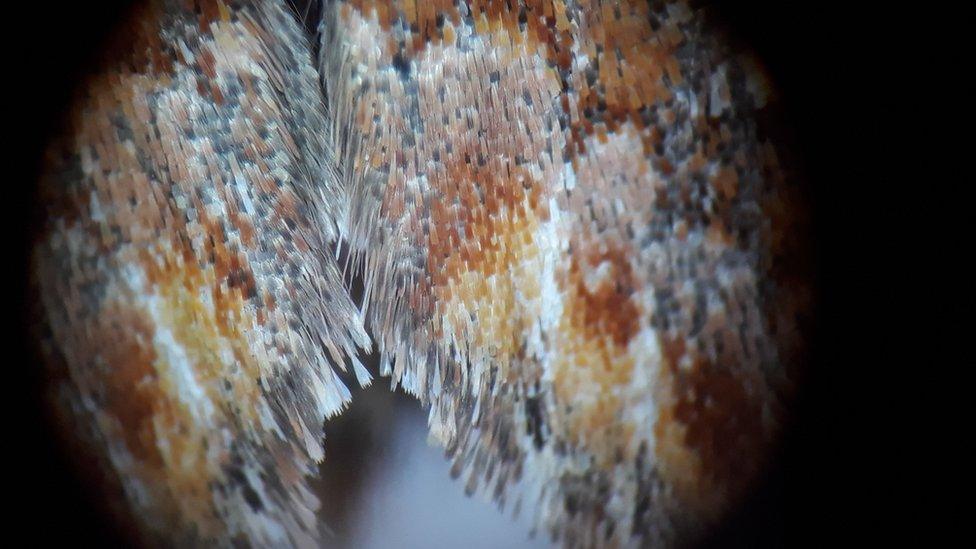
(186, 271)
(577, 242)
(570, 230)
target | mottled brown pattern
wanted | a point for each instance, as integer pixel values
(132, 392)
(580, 247)
(599, 320)
(641, 226)
(186, 274)
(606, 310)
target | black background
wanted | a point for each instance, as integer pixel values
(834, 67)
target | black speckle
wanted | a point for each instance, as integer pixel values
(534, 422)
(252, 498)
(402, 66)
(572, 504)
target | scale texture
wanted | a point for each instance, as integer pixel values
(571, 233)
(188, 287)
(579, 244)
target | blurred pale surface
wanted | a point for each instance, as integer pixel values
(406, 497)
